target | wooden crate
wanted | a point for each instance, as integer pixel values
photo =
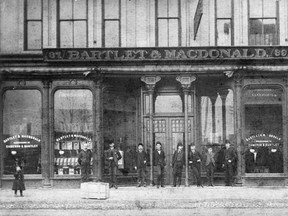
(94, 190)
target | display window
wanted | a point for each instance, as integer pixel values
(263, 130)
(73, 127)
(217, 121)
(22, 126)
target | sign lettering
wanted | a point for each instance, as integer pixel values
(164, 54)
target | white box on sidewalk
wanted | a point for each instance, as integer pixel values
(94, 190)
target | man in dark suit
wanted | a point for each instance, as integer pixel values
(141, 160)
(113, 156)
(194, 158)
(84, 159)
(230, 158)
(159, 157)
(178, 161)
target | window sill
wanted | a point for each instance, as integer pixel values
(265, 175)
(26, 177)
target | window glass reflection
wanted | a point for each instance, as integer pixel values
(22, 131)
(217, 121)
(263, 131)
(73, 127)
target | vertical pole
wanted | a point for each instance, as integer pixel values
(150, 82)
(97, 145)
(238, 89)
(186, 83)
(186, 135)
(46, 142)
(151, 135)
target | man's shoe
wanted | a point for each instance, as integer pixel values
(139, 185)
(162, 186)
(115, 186)
(110, 186)
(145, 185)
(157, 186)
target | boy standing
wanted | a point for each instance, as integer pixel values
(141, 159)
(210, 166)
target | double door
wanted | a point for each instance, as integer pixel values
(170, 131)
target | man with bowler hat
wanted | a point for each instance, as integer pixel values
(113, 156)
(84, 159)
(230, 158)
(178, 161)
(159, 157)
(141, 160)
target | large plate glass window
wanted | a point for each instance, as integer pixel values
(22, 127)
(263, 130)
(73, 127)
(217, 120)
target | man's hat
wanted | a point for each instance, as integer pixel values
(111, 144)
(140, 144)
(158, 142)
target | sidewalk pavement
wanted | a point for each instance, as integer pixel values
(150, 198)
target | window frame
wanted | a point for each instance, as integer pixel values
(224, 18)
(70, 20)
(276, 18)
(104, 20)
(157, 18)
(26, 21)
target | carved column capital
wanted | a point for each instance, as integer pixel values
(150, 81)
(238, 78)
(185, 81)
(46, 83)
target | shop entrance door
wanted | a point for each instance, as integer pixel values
(170, 131)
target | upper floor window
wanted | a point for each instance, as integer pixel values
(72, 23)
(111, 23)
(33, 24)
(168, 23)
(263, 22)
(224, 22)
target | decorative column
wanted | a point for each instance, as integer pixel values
(97, 149)
(186, 81)
(238, 81)
(150, 82)
(46, 138)
(213, 101)
(223, 94)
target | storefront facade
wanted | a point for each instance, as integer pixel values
(91, 76)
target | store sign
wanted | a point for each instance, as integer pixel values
(263, 140)
(164, 54)
(263, 96)
(22, 141)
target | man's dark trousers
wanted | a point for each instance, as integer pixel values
(177, 173)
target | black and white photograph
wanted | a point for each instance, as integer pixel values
(144, 107)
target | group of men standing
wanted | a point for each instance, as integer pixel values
(195, 160)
